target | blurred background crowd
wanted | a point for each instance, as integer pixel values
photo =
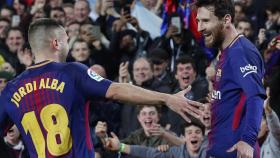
(149, 43)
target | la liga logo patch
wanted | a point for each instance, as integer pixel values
(94, 75)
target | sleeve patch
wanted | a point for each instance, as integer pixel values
(94, 75)
(248, 69)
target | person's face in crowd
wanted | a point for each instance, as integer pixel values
(128, 43)
(18, 7)
(149, 4)
(272, 17)
(73, 30)
(206, 115)
(58, 16)
(14, 40)
(99, 70)
(263, 130)
(81, 11)
(39, 14)
(3, 83)
(159, 67)
(86, 34)
(194, 138)
(13, 135)
(148, 116)
(244, 28)
(185, 74)
(6, 13)
(63, 41)
(69, 13)
(55, 3)
(142, 71)
(239, 14)
(3, 28)
(80, 51)
(210, 27)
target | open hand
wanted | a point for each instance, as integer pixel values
(244, 150)
(182, 105)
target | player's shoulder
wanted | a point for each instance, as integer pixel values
(74, 66)
(243, 48)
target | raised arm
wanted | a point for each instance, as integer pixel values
(125, 92)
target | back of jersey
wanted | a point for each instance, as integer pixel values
(48, 104)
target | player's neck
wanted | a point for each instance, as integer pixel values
(44, 56)
(230, 37)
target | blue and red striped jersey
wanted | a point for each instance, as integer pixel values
(238, 78)
(47, 102)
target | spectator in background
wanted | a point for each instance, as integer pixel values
(81, 11)
(186, 75)
(4, 27)
(180, 42)
(12, 146)
(20, 7)
(7, 12)
(58, 14)
(160, 60)
(81, 52)
(151, 134)
(270, 147)
(25, 56)
(4, 78)
(206, 116)
(272, 23)
(238, 11)
(73, 31)
(69, 12)
(244, 26)
(14, 41)
(193, 148)
(55, 3)
(99, 52)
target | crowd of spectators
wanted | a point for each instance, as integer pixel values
(121, 41)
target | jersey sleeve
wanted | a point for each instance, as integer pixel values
(88, 82)
(248, 71)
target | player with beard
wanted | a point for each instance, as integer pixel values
(48, 101)
(238, 93)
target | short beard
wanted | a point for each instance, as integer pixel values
(218, 36)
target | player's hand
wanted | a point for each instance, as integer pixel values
(244, 150)
(182, 105)
(163, 148)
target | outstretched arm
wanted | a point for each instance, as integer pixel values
(125, 92)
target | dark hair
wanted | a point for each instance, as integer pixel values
(274, 100)
(185, 60)
(140, 107)
(221, 7)
(194, 122)
(5, 19)
(273, 6)
(158, 54)
(15, 29)
(55, 9)
(246, 20)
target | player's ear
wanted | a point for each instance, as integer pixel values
(55, 44)
(227, 19)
